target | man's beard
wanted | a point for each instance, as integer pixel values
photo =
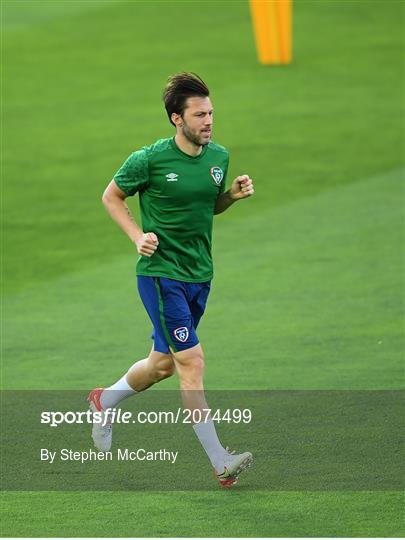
(191, 136)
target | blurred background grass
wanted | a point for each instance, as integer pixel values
(83, 86)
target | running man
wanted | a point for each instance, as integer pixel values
(181, 186)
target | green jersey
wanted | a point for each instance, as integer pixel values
(177, 194)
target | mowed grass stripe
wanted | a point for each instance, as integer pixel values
(312, 290)
(219, 514)
(21, 14)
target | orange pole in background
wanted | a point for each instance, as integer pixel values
(272, 25)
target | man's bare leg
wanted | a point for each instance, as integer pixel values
(143, 374)
(156, 367)
(190, 368)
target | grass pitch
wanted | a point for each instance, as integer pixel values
(307, 293)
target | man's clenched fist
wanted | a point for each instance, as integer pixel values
(147, 244)
(241, 187)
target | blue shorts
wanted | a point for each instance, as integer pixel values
(175, 309)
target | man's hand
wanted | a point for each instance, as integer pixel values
(241, 187)
(147, 244)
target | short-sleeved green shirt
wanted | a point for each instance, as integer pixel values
(177, 194)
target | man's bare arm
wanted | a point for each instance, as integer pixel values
(241, 188)
(114, 202)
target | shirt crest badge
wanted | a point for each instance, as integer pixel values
(217, 174)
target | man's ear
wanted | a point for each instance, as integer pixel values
(177, 119)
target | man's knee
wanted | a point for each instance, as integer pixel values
(190, 363)
(161, 365)
(165, 371)
(197, 364)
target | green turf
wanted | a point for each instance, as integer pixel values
(307, 293)
(318, 323)
(196, 514)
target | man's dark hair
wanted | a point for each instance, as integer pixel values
(179, 87)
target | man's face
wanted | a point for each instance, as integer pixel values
(196, 122)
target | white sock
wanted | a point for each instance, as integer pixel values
(111, 396)
(208, 437)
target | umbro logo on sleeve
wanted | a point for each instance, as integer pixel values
(172, 177)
